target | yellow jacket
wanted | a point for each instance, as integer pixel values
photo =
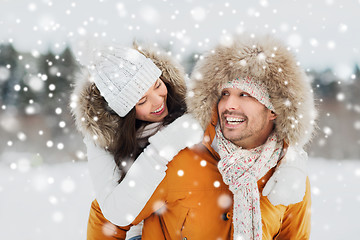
(192, 202)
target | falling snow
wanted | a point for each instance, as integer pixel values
(4, 73)
(36, 84)
(63, 193)
(322, 34)
(198, 14)
(340, 97)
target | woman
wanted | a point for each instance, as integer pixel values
(132, 97)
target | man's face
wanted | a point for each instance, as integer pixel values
(244, 120)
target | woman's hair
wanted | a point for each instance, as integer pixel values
(128, 147)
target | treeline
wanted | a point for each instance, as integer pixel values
(338, 103)
(35, 83)
(35, 115)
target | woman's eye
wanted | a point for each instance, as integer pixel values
(158, 85)
(141, 102)
(224, 94)
(244, 95)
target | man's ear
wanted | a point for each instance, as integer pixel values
(273, 115)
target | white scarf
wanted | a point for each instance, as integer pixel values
(241, 169)
(143, 133)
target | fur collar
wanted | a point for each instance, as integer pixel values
(92, 115)
(268, 60)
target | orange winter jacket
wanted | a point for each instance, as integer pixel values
(193, 203)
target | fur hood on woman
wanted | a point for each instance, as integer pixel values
(268, 60)
(92, 114)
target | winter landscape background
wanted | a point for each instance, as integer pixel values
(45, 190)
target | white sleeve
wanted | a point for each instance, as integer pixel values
(288, 183)
(121, 203)
(295, 157)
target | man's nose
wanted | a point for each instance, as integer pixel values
(231, 103)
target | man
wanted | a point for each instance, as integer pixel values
(264, 104)
(258, 95)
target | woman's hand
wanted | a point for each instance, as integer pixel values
(288, 183)
(183, 132)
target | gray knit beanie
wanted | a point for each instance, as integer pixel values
(123, 76)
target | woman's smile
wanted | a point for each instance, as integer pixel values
(159, 110)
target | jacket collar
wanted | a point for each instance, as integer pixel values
(209, 134)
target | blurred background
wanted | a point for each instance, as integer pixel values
(44, 42)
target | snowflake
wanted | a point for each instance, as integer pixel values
(180, 173)
(198, 14)
(340, 97)
(149, 15)
(357, 125)
(224, 201)
(58, 216)
(68, 185)
(327, 131)
(4, 74)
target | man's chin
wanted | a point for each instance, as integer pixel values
(231, 137)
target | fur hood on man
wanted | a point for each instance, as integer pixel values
(269, 61)
(92, 114)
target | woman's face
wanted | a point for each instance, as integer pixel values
(152, 106)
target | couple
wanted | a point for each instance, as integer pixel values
(158, 175)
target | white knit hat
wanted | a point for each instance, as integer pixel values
(255, 88)
(123, 76)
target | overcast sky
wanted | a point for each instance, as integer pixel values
(322, 33)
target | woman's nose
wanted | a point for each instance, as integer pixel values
(156, 99)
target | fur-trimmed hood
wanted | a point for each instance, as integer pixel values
(267, 60)
(93, 116)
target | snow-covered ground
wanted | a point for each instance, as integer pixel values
(52, 201)
(335, 199)
(47, 202)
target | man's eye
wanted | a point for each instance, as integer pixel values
(159, 84)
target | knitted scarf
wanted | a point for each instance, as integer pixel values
(241, 169)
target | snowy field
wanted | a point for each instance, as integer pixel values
(52, 201)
